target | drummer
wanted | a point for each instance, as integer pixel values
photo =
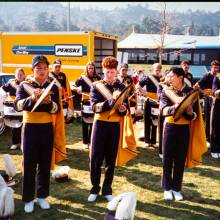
(85, 82)
(151, 81)
(176, 135)
(10, 89)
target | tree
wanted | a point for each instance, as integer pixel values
(44, 22)
(3, 26)
(22, 27)
(72, 26)
(148, 25)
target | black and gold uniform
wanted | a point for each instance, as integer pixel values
(85, 82)
(160, 88)
(175, 140)
(37, 137)
(64, 83)
(11, 88)
(188, 79)
(150, 106)
(205, 83)
(215, 117)
(105, 135)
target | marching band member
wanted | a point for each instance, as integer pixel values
(151, 104)
(124, 78)
(85, 82)
(205, 84)
(215, 118)
(188, 79)
(59, 149)
(176, 137)
(165, 81)
(37, 133)
(106, 130)
(10, 89)
(64, 84)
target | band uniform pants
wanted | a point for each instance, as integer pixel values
(215, 127)
(86, 132)
(150, 130)
(207, 111)
(104, 147)
(160, 131)
(37, 153)
(175, 147)
(16, 135)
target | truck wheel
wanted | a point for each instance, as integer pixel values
(2, 126)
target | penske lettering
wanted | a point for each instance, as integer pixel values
(69, 50)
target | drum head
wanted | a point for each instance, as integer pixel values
(88, 120)
(15, 123)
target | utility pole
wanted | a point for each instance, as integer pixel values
(68, 17)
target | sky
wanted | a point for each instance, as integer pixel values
(172, 6)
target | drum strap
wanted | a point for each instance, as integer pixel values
(153, 80)
(87, 80)
(57, 83)
(187, 82)
(106, 93)
(28, 88)
(13, 84)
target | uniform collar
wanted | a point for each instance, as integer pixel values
(40, 84)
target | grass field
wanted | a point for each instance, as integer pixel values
(201, 186)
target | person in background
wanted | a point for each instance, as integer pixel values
(37, 135)
(215, 118)
(64, 84)
(188, 79)
(85, 82)
(66, 104)
(151, 105)
(10, 89)
(106, 130)
(165, 82)
(205, 85)
(127, 80)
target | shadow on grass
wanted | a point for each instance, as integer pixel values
(77, 159)
(71, 203)
(143, 179)
(206, 172)
(147, 156)
(178, 210)
(209, 161)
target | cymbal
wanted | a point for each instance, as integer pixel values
(189, 99)
(43, 95)
(121, 98)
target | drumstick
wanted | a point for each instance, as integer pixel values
(69, 97)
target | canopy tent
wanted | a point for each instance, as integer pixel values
(153, 41)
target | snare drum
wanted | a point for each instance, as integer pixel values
(11, 117)
(154, 112)
(87, 113)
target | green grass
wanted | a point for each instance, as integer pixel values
(201, 186)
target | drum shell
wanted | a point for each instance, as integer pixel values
(87, 112)
(11, 117)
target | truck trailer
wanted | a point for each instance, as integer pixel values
(74, 49)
